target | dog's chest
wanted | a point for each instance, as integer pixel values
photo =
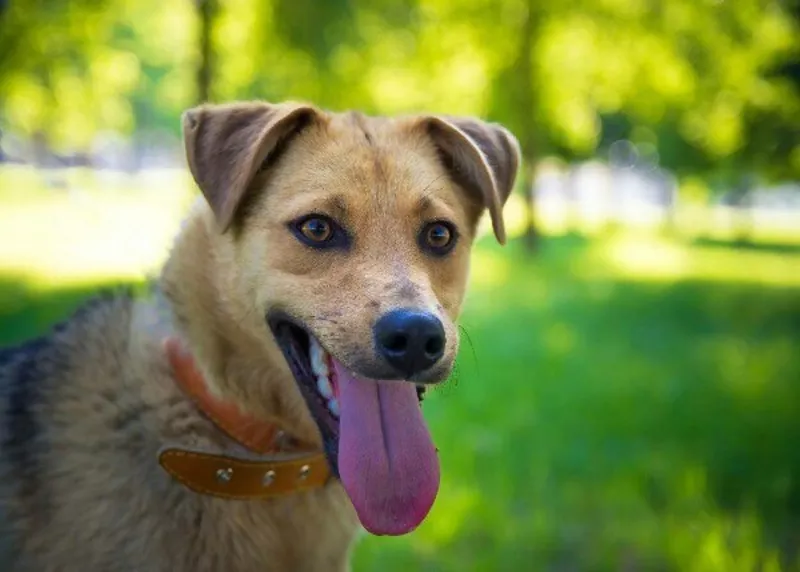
(300, 532)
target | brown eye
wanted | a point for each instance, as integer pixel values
(438, 238)
(317, 229)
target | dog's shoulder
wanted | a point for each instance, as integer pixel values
(32, 371)
(61, 395)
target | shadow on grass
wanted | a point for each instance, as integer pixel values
(744, 244)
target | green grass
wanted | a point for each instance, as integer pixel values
(613, 424)
(625, 403)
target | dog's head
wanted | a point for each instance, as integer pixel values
(353, 238)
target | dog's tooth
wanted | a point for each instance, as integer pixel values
(313, 353)
(317, 357)
(324, 387)
(333, 405)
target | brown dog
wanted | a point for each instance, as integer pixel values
(305, 302)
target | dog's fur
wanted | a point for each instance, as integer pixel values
(85, 409)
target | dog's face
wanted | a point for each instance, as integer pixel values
(353, 238)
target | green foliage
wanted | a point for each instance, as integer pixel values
(698, 73)
(715, 82)
(72, 69)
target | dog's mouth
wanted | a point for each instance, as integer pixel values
(310, 365)
(373, 433)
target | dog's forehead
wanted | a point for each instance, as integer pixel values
(383, 151)
(373, 165)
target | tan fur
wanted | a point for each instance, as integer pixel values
(86, 410)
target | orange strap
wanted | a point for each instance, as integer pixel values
(233, 478)
(229, 476)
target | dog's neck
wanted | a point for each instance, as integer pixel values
(230, 342)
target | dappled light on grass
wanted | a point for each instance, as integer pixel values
(488, 270)
(650, 258)
(89, 233)
(559, 338)
(455, 506)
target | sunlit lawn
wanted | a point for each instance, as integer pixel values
(627, 403)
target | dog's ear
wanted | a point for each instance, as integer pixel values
(482, 156)
(227, 145)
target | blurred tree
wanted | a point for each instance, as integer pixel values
(709, 86)
(697, 75)
(44, 46)
(207, 12)
(71, 71)
(327, 52)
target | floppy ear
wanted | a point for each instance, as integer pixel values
(227, 145)
(481, 156)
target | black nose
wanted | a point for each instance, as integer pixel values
(410, 341)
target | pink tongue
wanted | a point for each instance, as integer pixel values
(387, 461)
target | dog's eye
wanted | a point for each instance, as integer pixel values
(317, 229)
(438, 237)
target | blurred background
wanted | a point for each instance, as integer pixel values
(628, 397)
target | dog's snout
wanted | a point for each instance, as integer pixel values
(409, 340)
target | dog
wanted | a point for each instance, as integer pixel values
(260, 405)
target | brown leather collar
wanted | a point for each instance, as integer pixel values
(272, 465)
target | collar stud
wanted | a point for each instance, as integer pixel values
(225, 475)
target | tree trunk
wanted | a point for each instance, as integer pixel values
(207, 11)
(531, 228)
(743, 215)
(527, 136)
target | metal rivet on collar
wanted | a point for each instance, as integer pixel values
(224, 475)
(304, 472)
(268, 479)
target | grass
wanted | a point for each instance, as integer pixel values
(629, 402)
(612, 422)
